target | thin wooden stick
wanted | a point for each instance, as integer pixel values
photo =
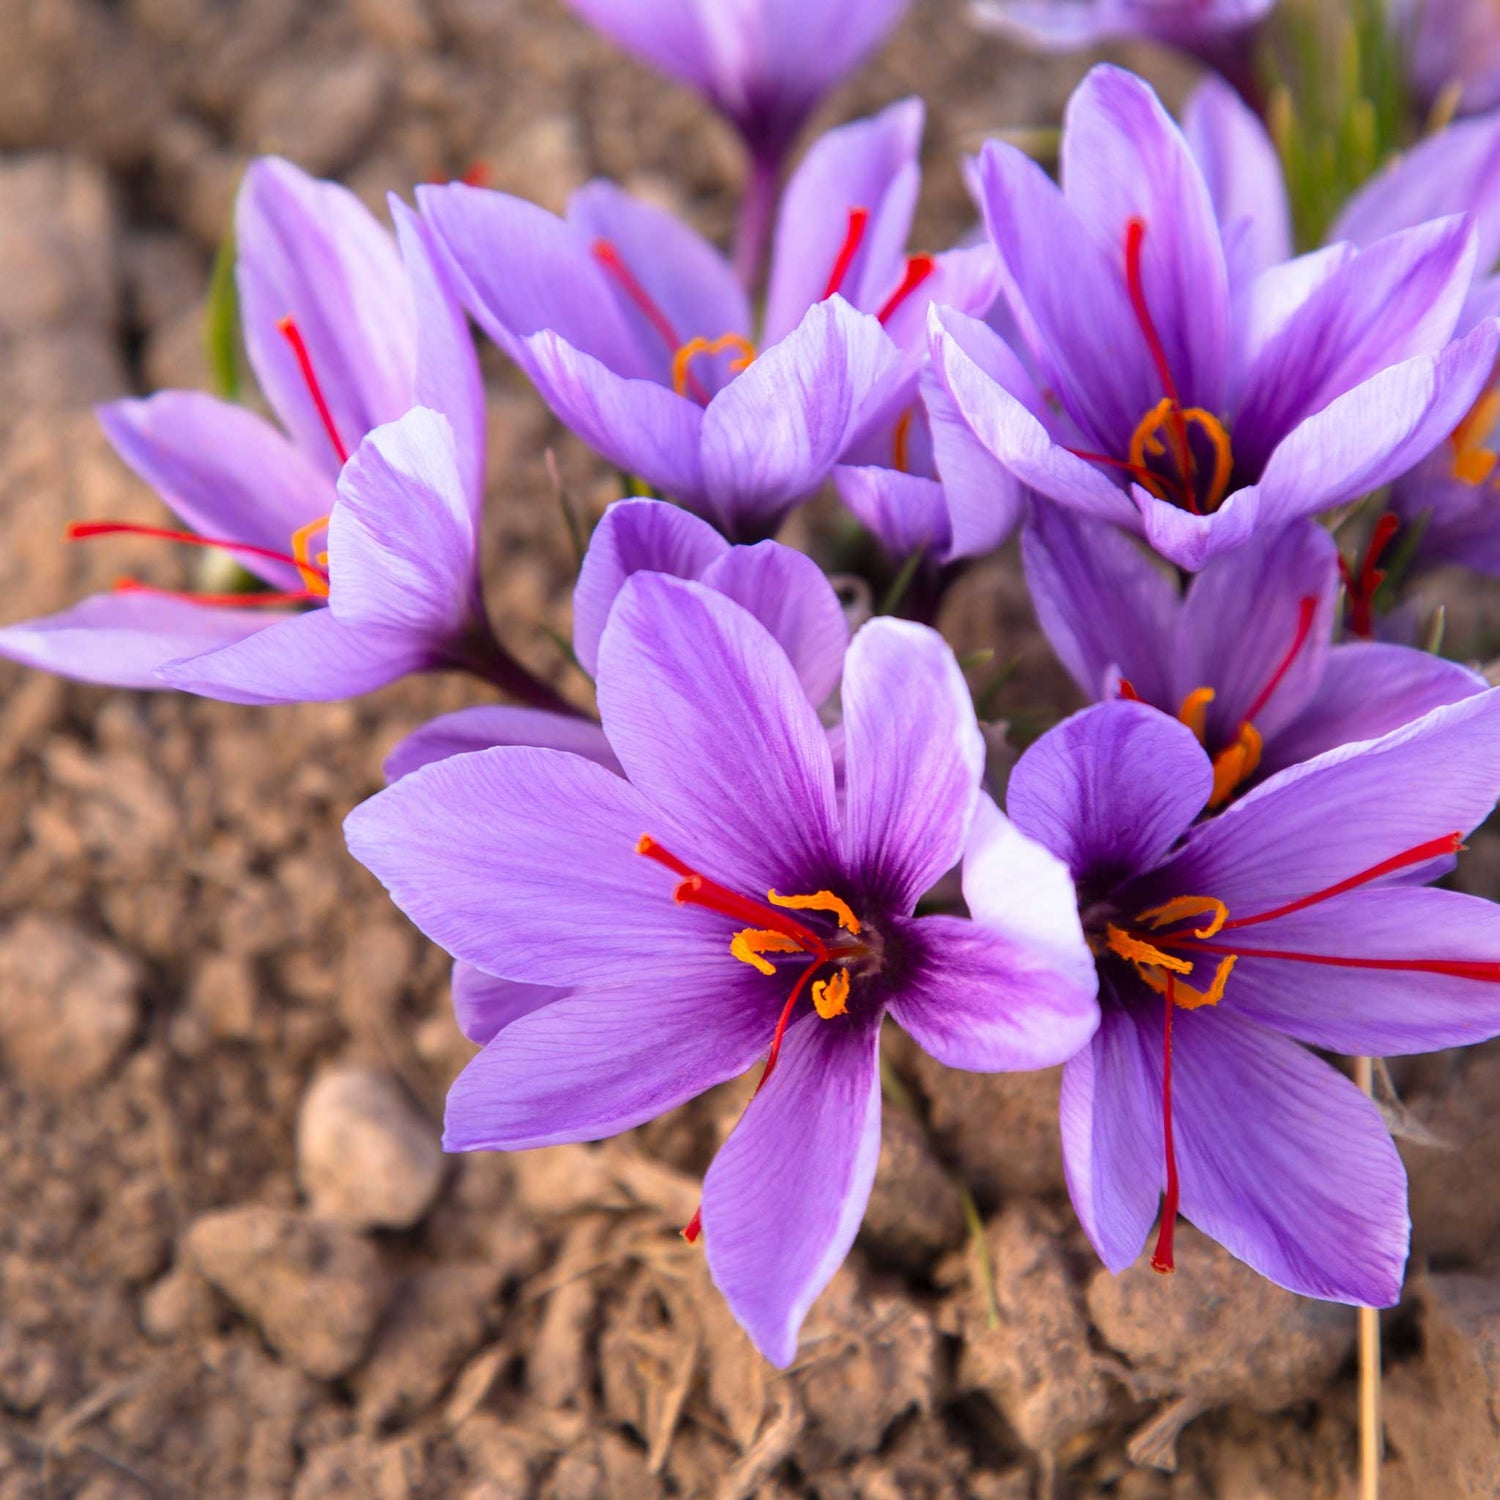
(1369, 1356)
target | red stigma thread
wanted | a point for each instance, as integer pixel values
(609, 257)
(1162, 1259)
(287, 328)
(1306, 610)
(1128, 692)
(859, 220)
(221, 601)
(694, 1227)
(1361, 587)
(918, 269)
(80, 531)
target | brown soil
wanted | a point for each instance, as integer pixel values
(218, 1280)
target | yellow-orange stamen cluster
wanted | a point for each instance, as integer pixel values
(1164, 971)
(1175, 421)
(314, 570)
(1473, 460)
(683, 359)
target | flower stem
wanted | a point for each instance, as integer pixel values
(488, 660)
(752, 233)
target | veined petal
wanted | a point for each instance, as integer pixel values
(484, 1006)
(906, 512)
(1190, 541)
(492, 724)
(784, 1197)
(668, 34)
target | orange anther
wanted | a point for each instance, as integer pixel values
(682, 360)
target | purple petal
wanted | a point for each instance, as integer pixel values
(1330, 819)
(1190, 541)
(1241, 621)
(227, 472)
(1368, 689)
(313, 252)
(785, 1195)
(309, 658)
(708, 719)
(402, 545)
(689, 282)
(906, 513)
(124, 639)
(492, 724)
(484, 1006)
(1361, 1008)
(1285, 1162)
(522, 861)
(773, 435)
(913, 756)
(1243, 175)
(1106, 606)
(1124, 159)
(870, 164)
(791, 596)
(668, 34)
(606, 1060)
(1110, 790)
(635, 536)
(966, 279)
(1111, 1120)
(1265, 306)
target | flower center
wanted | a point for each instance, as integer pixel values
(1167, 944)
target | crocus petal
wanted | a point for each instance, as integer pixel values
(967, 279)
(913, 756)
(313, 252)
(1371, 434)
(124, 639)
(1243, 174)
(1110, 790)
(785, 1195)
(1123, 159)
(492, 724)
(791, 596)
(484, 1006)
(906, 512)
(635, 536)
(1360, 1008)
(1241, 619)
(522, 861)
(668, 34)
(448, 375)
(401, 543)
(1285, 1162)
(227, 472)
(1317, 824)
(708, 719)
(855, 166)
(1395, 301)
(638, 425)
(1367, 689)
(1190, 541)
(1104, 603)
(774, 434)
(1266, 304)
(310, 658)
(686, 278)
(605, 1060)
(519, 270)
(1111, 1119)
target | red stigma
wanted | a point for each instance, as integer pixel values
(1361, 587)
(1306, 610)
(859, 219)
(1162, 1260)
(287, 328)
(1135, 236)
(1128, 692)
(80, 531)
(918, 269)
(222, 601)
(609, 257)
(693, 1228)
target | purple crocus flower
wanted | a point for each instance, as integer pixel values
(363, 513)
(1451, 45)
(1293, 917)
(1244, 656)
(1161, 401)
(637, 334)
(717, 901)
(765, 64)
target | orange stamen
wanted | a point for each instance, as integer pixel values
(683, 358)
(1474, 462)
(901, 442)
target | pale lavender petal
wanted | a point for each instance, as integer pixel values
(402, 544)
(523, 862)
(1106, 606)
(227, 472)
(491, 724)
(604, 1060)
(313, 252)
(484, 1006)
(635, 536)
(966, 279)
(791, 596)
(1367, 689)
(784, 1197)
(1110, 790)
(913, 756)
(124, 639)
(668, 34)
(906, 512)
(1265, 306)
(774, 435)
(1111, 1120)
(709, 720)
(1285, 1162)
(1124, 159)
(1194, 541)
